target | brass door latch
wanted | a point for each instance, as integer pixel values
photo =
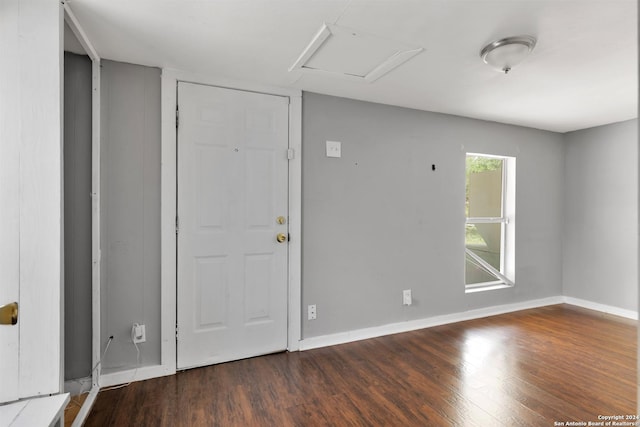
(9, 314)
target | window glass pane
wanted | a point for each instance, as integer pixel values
(483, 240)
(484, 187)
(474, 273)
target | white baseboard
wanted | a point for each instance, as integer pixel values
(412, 325)
(77, 386)
(131, 375)
(147, 372)
(629, 314)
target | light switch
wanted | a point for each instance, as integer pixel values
(333, 149)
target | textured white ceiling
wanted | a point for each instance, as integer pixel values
(582, 73)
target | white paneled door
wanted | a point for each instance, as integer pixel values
(232, 212)
(30, 199)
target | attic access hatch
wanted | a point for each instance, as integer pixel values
(349, 53)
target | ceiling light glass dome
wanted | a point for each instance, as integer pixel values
(506, 53)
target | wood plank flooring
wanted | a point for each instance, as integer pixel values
(530, 368)
(73, 407)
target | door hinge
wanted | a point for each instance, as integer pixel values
(176, 331)
(291, 154)
(177, 117)
(177, 226)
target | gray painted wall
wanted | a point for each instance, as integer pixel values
(130, 212)
(77, 216)
(376, 221)
(601, 204)
(379, 220)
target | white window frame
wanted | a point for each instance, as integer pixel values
(505, 278)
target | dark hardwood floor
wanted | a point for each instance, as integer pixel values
(530, 368)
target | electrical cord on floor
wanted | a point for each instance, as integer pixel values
(99, 362)
(135, 371)
(104, 353)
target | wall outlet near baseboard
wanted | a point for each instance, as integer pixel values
(406, 297)
(311, 312)
(138, 333)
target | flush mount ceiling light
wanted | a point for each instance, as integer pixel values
(352, 54)
(506, 53)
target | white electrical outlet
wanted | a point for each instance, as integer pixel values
(406, 297)
(311, 312)
(138, 333)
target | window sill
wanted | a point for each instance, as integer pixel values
(481, 287)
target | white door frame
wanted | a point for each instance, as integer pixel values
(168, 206)
(77, 29)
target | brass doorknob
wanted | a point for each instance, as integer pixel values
(9, 314)
(281, 237)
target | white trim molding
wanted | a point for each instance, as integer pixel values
(96, 267)
(81, 35)
(412, 325)
(168, 212)
(295, 223)
(609, 309)
(170, 79)
(135, 374)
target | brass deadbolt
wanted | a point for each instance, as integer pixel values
(281, 220)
